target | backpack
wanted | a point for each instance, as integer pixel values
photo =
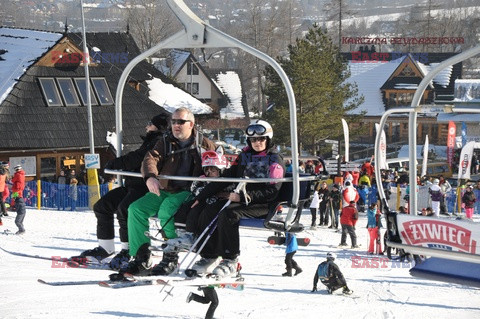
(323, 270)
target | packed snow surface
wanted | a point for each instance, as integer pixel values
(381, 290)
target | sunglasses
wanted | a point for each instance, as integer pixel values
(255, 129)
(179, 122)
(257, 139)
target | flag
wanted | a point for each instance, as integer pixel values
(466, 161)
(347, 139)
(452, 131)
(464, 134)
(425, 157)
(382, 162)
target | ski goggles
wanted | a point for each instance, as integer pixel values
(255, 129)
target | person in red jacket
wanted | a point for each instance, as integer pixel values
(348, 219)
(18, 183)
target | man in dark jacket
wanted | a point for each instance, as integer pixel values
(118, 199)
(178, 154)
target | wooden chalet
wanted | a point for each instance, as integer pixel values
(43, 111)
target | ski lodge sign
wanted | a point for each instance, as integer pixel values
(440, 234)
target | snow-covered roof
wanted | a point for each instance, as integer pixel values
(170, 98)
(370, 76)
(230, 84)
(172, 64)
(467, 90)
(22, 48)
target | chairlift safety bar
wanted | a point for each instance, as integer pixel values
(198, 34)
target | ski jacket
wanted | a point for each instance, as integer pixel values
(324, 194)
(132, 161)
(349, 215)
(349, 194)
(336, 197)
(356, 177)
(291, 242)
(373, 219)
(469, 199)
(364, 180)
(61, 181)
(315, 201)
(333, 272)
(18, 182)
(368, 168)
(266, 164)
(168, 157)
(435, 193)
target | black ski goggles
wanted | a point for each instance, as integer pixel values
(255, 129)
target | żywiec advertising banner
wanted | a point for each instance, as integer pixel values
(438, 233)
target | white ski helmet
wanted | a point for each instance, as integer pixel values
(331, 256)
(212, 158)
(436, 181)
(259, 128)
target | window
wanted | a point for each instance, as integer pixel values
(81, 87)
(192, 88)
(190, 66)
(68, 92)
(50, 92)
(102, 90)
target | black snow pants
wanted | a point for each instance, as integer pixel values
(116, 201)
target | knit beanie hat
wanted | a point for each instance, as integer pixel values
(160, 121)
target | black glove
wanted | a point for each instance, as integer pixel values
(314, 289)
(109, 165)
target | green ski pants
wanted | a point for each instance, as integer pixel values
(164, 206)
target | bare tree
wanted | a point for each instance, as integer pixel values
(150, 21)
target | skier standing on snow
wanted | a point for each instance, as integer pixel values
(331, 276)
(259, 159)
(117, 200)
(335, 201)
(324, 193)
(348, 220)
(3, 185)
(373, 227)
(292, 247)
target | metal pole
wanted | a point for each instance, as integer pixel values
(86, 62)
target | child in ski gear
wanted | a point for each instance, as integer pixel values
(373, 226)
(292, 246)
(18, 182)
(331, 276)
(21, 211)
(117, 200)
(348, 220)
(260, 159)
(213, 163)
(469, 200)
(314, 205)
(165, 196)
(209, 296)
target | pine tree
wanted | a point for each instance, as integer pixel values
(318, 75)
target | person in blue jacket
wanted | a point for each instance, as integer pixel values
(292, 246)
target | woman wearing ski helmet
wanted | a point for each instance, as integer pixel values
(259, 159)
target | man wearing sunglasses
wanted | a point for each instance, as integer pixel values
(177, 154)
(259, 159)
(118, 199)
